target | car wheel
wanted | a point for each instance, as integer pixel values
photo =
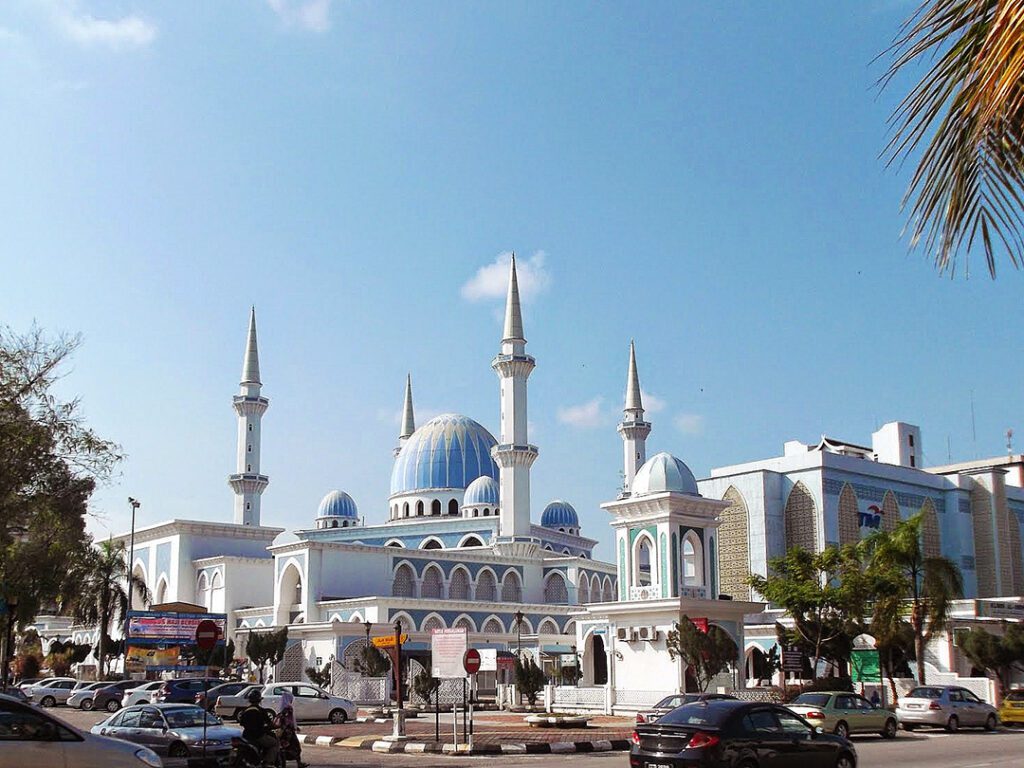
(953, 724)
(337, 716)
(177, 749)
(990, 722)
(236, 713)
(112, 706)
(86, 705)
(889, 731)
(845, 761)
(842, 730)
(48, 701)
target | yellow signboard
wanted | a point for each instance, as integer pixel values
(387, 641)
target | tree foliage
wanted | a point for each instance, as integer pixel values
(425, 686)
(27, 665)
(1000, 655)
(529, 678)
(319, 677)
(372, 662)
(706, 653)
(265, 648)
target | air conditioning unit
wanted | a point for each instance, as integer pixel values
(644, 633)
(623, 633)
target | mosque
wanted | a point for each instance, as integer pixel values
(459, 549)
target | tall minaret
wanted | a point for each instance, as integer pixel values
(634, 429)
(408, 422)
(247, 482)
(514, 455)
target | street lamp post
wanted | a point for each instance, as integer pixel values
(134, 504)
(367, 625)
(399, 731)
(519, 634)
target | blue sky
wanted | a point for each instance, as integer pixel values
(704, 178)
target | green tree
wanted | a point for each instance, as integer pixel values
(1000, 655)
(705, 653)
(372, 662)
(27, 665)
(825, 593)
(969, 108)
(425, 685)
(265, 648)
(896, 559)
(530, 678)
(321, 677)
(101, 597)
(50, 462)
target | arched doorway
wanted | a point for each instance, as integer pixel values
(595, 661)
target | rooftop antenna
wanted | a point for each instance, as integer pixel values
(974, 427)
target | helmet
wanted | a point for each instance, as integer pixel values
(255, 696)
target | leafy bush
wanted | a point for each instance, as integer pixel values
(425, 686)
(529, 679)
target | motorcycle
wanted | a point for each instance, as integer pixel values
(245, 754)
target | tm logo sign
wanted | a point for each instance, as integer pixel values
(872, 518)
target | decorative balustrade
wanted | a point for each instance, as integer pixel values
(645, 592)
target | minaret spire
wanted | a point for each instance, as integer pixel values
(250, 405)
(633, 429)
(408, 420)
(514, 455)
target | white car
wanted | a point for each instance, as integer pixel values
(143, 694)
(311, 702)
(82, 696)
(49, 693)
(31, 737)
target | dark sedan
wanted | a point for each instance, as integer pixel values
(109, 698)
(737, 734)
(669, 703)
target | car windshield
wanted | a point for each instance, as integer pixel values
(669, 702)
(925, 692)
(699, 713)
(813, 699)
(1015, 696)
(188, 717)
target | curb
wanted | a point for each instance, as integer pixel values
(443, 748)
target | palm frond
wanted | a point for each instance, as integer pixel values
(967, 188)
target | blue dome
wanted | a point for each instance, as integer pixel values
(664, 472)
(482, 492)
(337, 504)
(449, 451)
(559, 514)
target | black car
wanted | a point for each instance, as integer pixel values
(737, 734)
(109, 698)
(183, 690)
(222, 689)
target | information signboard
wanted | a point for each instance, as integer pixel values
(865, 666)
(170, 628)
(488, 659)
(447, 650)
(792, 660)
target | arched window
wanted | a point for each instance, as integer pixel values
(203, 591)
(849, 516)
(548, 627)
(334, 523)
(458, 587)
(404, 583)
(433, 583)
(432, 622)
(890, 511)
(405, 509)
(435, 507)
(464, 622)
(643, 559)
(511, 588)
(801, 519)
(453, 507)
(471, 541)
(555, 591)
(608, 592)
(487, 512)
(693, 561)
(931, 539)
(486, 586)
(548, 548)
(419, 509)
(431, 543)
(395, 543)
(493, 626)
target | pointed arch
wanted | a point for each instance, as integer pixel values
(458, 584)
(162, 586)
(432, 583)
(608, 591)
(583, 590)
(216, 582)
(525, 626)
(931, 538)
(801, 519)
(139, 577)
(464, 622)
(407, 623)
(470, 540)
(596, 595)
(431, 622)
(734, 543)
(431, 542)
(890, 512)
(548, 627)
(493, 626)
(290, 591)
(511, 587)
(848, 515)
(555, 590)
(356, 618)
(692, 560)
(397, 543)
(645, 560)
(486, 585)
(435, 508)
(569, 628)
(403, 584)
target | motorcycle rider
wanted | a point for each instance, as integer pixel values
(258, 728)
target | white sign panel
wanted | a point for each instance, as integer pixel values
(488, 659)
(447, 649)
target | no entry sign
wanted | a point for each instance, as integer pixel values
(471, 661)
(207, 634)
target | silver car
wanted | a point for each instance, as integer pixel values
(945, 706)
(53, 692)
(82, 696)
(175, 730)
(31, 737)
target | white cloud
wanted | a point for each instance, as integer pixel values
(311, 15)
(689, 423)
(131, 31)
(584, 416)
(652, 403)
(491, 280)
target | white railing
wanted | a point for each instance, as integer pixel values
(587, 696)
(625, 697)
(646, 592)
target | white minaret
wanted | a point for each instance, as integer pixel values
(634, 429)
(408, 422)
(247, 482)
(514, 455)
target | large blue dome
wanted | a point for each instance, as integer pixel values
(337, 504)
(559, 514)
(483, 491)
(449, 451)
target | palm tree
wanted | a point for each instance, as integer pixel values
(930, 584)
(967, 187)
(102, 596)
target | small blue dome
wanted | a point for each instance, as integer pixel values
(337, 504)
(449, 451)
(482, 492)
(661, 473)
(559, 514)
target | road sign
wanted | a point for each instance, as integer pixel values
(447, 651)
(471, 661)
(207, 635)
(792, 660)
(388, 641)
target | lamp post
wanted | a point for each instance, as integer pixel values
(367, 625)
(399, 732)
(134, 504)
(576, 667)
(519, 633)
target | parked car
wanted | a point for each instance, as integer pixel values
(737, 733)
(1012, 710)
(183, 690)
(311, 702)
(945, 706)
(669, 703)
(15, 693)
(32, 737)
(843, 713)
(50, 693)
(82, 697)
(175, 730)
(224, 689)
(141, 694)
(109, 697)
(230, 705)
(30, 681)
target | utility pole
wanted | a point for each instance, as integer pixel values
(134, 504)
